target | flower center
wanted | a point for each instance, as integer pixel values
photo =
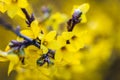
(63, 48)
(67, 42)
(14, 1)
(45, 43)
(74, 37)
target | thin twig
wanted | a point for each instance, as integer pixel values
(29, 18)
(27, 41)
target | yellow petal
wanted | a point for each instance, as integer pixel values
(83, 17)
(14, 59)
(11, 65)
(44, 49)
(53, 45)
(41, 36)
(7, 48)
(3, 56)
(71, 48)
(6, 1)
(22, 3)
(84, 7)
(35, 28)
(58, 56)
(12, 11)
(50, 36)
(60, 41)
(27, 33)
(21, 14)
(67, 35)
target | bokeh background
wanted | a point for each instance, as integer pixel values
(103, 22)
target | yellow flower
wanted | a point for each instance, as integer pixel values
(98, 26)
(13, 7)
(66, 47)
(32, 32)
(13, 58)
(56, 22)
(72, 40)
(36, 28)
(48, 41)
(32, 53)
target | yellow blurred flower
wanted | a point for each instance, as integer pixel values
(13, 58)
(13, 7)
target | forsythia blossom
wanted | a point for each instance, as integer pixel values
(55, 47)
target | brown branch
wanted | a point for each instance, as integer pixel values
(29, 18)
(74, 20)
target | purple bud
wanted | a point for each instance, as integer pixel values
(77, 13)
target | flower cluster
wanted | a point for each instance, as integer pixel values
(54, 46)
